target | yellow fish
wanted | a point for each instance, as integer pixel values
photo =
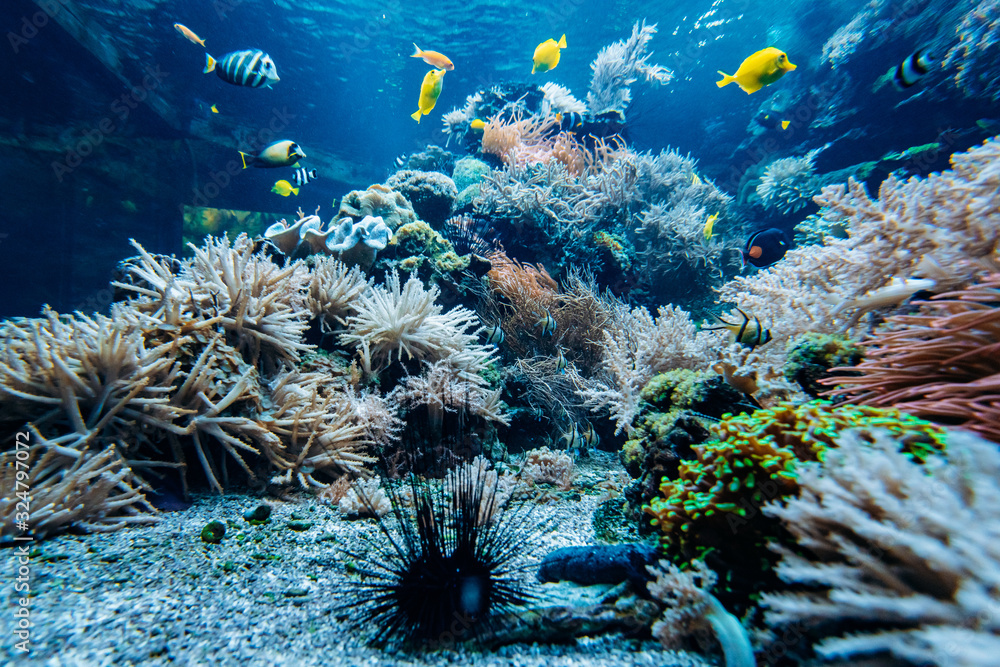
(785, 124)
(430, 89)
(189, 34)
(215, 109)
(284, 188)
(433, 58)
(547, 54)
(759, 70)
(709, 224)
(477, 125)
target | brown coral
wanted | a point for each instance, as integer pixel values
(942, 364)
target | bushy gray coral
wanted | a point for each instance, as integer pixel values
(432, 194)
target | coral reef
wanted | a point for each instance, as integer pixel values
(711, 508)
(944, 228)
(974, 57)
(559, 99)
(432, 194)
(419, 248)
(357, 243)
(690, 609)
(617, 67)
(469, 171)
(788, 184)
(433, 158)
(813, 355)
(377, 201)
(942, 363)
(900, 559)
(544, 466)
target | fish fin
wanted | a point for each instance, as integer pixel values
(562, 42)
(750, 88)
(785, 124)
(726, 79)
(244, 156)
(533, 66)
(209, 64)
(417, 53)
(416, 115)
(296, 191)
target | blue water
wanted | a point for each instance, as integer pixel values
(348, 86)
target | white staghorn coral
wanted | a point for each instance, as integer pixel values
(617, 67)
(907, 556)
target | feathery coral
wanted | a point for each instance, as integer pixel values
(902, 556)
(942, 363)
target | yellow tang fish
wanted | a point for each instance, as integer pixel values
(430, 89)
(478, 125)
(547, 54)
(433, 58)
(759, 70)
(709, 224)
(189, 34)
(284, 188)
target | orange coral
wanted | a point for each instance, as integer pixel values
(941, 364)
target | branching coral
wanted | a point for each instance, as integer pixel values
(974, 58)
(559, 99)
(942, 364)
(788, 184)
(945, 227)
(617, 67)
(637, 347)
(691, 609)
(902, 557)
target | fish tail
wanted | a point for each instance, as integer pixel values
(416, 115)
(244, 156)
(726, 79)
(417, 53)
(562, 42)
(209, 64)
(295, 191)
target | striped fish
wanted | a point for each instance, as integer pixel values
(252, 68)
(303, 176)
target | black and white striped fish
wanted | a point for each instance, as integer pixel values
(303, 176)
(252, 68)
(911, 70)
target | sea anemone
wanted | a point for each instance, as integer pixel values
(448, 567)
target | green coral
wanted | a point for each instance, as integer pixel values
(618, 247)
(711, 506)
(468, 172)
(812, 355)
(418, 246)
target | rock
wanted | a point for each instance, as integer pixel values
(600, 564)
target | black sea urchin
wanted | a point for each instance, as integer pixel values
(448, 564)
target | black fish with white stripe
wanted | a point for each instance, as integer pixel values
(911, 70)
(252, 68)
(303, 176)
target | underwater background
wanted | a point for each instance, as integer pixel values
(500, 333)
(347, 88)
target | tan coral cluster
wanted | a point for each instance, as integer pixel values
(206, 360)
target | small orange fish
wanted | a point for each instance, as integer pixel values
(433, 58)
(189, 34)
